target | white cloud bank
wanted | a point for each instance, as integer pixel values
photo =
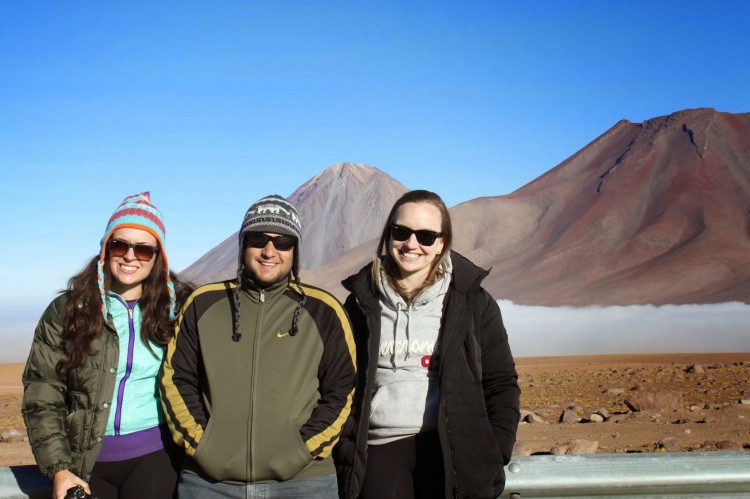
(541, 331)
(17, 324)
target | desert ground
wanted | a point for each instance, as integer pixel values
(583, 404)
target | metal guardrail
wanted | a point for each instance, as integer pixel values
(24, 482)
(669, 474)
(663, 475)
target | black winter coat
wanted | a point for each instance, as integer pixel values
(479, 393)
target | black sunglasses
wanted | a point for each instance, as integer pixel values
(142, 252)
(424, 237)
(260, 240)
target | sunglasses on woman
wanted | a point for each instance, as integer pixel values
(260, 240)
(143, 252)
(424, 237)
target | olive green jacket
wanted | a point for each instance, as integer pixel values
(267, 408)
(66, 414)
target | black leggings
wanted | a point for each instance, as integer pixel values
(408, 468)
(151, 476)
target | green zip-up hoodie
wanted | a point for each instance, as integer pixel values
(271, 406)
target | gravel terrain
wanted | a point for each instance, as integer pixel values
(573, 405)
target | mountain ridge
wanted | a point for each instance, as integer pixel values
(655, 212)
(348, 200)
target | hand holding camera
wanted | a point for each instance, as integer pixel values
(77, 492)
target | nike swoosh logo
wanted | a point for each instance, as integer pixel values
(281, 334)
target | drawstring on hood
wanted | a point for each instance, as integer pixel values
(276, 215)
(393, 301)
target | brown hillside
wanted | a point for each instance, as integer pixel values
(647, 213)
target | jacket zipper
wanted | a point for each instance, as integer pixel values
(251, 399)
(129, 364)
(450, 469)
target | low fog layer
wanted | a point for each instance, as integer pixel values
(543, 331)
(17, 330)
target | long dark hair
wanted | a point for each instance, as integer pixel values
(382, 254)
(83, 321)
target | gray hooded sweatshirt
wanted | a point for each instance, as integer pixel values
(406, 389)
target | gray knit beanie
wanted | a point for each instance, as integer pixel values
(272, 214)
(276, 215)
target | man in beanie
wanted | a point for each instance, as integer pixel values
(259, 378)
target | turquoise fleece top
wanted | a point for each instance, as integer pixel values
(135, 403)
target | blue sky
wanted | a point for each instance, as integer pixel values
(211, 105)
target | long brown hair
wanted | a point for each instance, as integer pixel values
(83, 321)
(382, 254)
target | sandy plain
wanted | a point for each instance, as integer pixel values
(705, 404)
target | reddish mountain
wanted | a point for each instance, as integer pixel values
(650, 213)
(654, 213)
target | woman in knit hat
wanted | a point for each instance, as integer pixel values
(90, 398)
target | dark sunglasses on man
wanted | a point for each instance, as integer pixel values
(143, 252)
(424, 237)
(260, 240)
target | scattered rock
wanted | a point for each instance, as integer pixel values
(660, 400)
(569, 416)
(669, 444)
(614, 391)
(521, 449)
(548, 411)
(596, 418)
(728, 445)
(602, 411)
(577, 446)
(709, 400)
(12, 435)
(534, 419)
(721, 445)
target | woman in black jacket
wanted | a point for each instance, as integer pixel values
(437, 402)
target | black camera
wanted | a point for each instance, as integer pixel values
(77, 492)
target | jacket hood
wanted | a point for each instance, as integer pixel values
(466, 276)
